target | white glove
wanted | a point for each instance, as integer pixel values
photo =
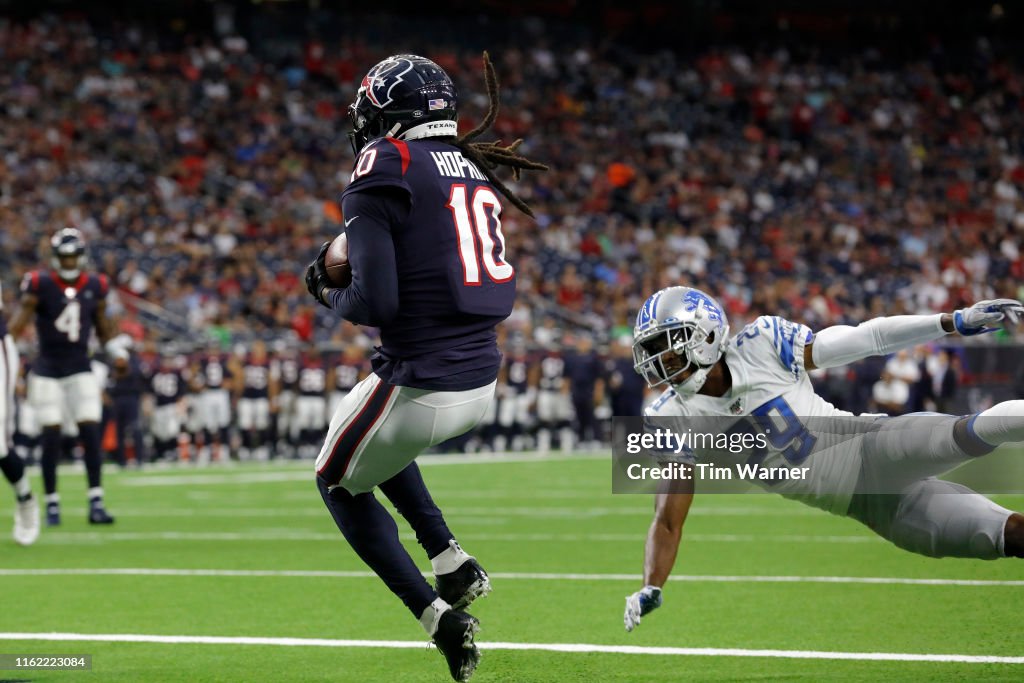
(118, 347)
(644, 601)
(978, 318)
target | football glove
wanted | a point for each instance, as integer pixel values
(644, 601)
(316, 277)
(979, 318)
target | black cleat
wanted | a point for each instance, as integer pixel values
(454, 639)
(464, 585)
(98, 514)
(53, 514)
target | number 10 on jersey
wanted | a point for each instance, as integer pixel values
(479, 237)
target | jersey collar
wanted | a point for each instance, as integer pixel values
(77, 283)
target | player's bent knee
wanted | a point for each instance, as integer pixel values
(941, 519)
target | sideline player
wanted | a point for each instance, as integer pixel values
(257, 388)
(67, 303)
(422, 214)
(26, 508)
(681, 339)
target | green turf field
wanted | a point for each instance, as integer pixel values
(556, 543)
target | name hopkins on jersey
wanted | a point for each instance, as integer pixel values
(454, 165)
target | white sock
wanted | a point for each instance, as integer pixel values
(22, 488)
(450, 559)
(95, 492)
(1002, 423)
(432, 615)
(53, 498)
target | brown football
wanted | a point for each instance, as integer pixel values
(336, 261)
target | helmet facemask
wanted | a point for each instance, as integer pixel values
(680, 334)
(664, 356)
(68, 254)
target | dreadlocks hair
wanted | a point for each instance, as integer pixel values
(489, 155)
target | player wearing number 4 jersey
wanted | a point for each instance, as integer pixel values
(423, 219)
(66, 303)
(882, 476)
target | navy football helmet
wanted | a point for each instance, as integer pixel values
(406, 97)
(68, 255)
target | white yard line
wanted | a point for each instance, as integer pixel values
(545, 647)
(513, 576)
(471, 513)
(242, 472)
(301, 536)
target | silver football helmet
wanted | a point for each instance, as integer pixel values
(679, 329)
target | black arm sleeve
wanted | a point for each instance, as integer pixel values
(372, 298)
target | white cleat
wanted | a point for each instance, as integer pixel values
(26, 522)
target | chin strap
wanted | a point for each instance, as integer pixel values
(694, 382)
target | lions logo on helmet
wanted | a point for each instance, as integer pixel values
(679, 329)
(406, 97)
(68, 249)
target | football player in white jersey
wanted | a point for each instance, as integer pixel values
(681, 341)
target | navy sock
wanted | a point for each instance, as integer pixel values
(50, 442)
(91, 440)
(373, 534)
(408, 493)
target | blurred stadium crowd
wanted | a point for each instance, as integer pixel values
(204, 172)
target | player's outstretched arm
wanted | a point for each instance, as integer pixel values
(842, 344)
(671, 505)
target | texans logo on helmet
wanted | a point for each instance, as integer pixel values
(379, 83)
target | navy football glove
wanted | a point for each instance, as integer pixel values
(316, 277)
(644, 601)
(977, 319)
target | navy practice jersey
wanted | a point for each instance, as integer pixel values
(552, 371)
(167, 385)
(346, 375)
(65, 314)
(127, 383)
(518, 373)
(215, 371)
(454, 284)
(583, 370)
(627, 388)
(289, 369)
(312, 377)
(256, 379)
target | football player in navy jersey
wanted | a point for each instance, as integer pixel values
(26, 509)
(257, 388)
(67, 303)
(285, 440)
(311, 402)
(516, 379)
(584, 370)
(214, 402)
(423, 219)
(167, 385)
